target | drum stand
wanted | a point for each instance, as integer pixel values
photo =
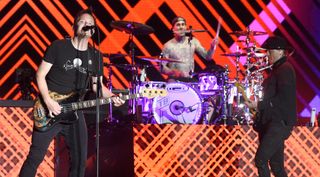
(225, 87)
(132, 103)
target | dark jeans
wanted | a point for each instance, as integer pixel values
(76, 138)
(271, 149)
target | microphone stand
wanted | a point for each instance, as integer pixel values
(98, 95)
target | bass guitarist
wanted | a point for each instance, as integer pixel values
(69, 66)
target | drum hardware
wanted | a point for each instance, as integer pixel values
(132, 28)
(252, 77)
(110, 118)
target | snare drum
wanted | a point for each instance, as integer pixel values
(183, 104)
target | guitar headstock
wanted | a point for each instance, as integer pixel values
(151, 93)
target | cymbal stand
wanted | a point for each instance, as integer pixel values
(134, 79)
(109, 86)
(237, 74)
(247, 76)
(225, 79)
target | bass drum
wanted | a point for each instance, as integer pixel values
(183, 104)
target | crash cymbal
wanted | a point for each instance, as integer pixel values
(248, 33)
(114, 55)
(134, 28)
(157, 59)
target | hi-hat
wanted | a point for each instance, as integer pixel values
(248, 33)
(157, 59)
(134, 28)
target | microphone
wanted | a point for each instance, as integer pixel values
(86, 28)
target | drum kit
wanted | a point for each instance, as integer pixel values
(213, 99)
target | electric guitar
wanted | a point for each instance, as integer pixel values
(255, 114)
(69, 103)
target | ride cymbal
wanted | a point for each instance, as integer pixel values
(130, 27)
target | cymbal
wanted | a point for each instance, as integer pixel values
(235, 54)
(192, 31)
(254, 48)
(114, 55)
(134, 28)
(248, 33)
(157, 59)
(215, 69)
(128, 66)
(250, 40)
(240, 54)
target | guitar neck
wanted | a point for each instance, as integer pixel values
(91, 103)
(241, 89)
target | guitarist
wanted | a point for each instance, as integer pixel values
(277, 110)
(69, 65)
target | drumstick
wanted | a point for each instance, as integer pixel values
(218, 28)
(217, 35)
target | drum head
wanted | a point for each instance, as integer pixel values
(182, 105)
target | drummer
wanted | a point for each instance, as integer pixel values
(182, 48)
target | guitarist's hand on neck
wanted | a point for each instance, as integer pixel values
(117, 101)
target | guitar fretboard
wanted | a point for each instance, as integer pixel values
(91, 103)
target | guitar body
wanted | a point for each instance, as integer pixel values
(43, 121)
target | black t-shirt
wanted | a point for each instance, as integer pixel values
(69, 71)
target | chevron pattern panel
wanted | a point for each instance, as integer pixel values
(200, 150)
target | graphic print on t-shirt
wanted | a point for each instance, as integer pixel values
(77, 62)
